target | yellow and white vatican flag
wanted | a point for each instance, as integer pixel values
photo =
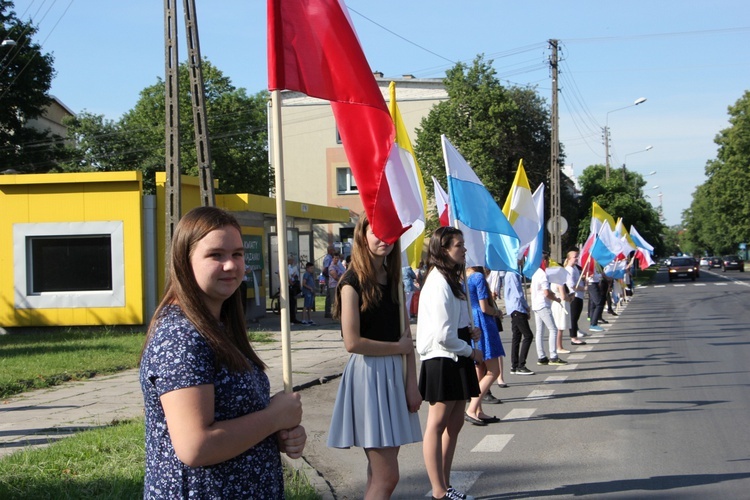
(412, 241)
(599, 217)
(521, 211)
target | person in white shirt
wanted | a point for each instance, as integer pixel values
(447, 377)
(541, 300)
(496, 282)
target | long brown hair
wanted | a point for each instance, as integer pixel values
(228, 336)
(437, 258)
(363, 268)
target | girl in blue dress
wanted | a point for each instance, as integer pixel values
(377, 402)
(486, 314)
(212, 429)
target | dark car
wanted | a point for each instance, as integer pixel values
(733, 262)
(715, 262)
(681, 267)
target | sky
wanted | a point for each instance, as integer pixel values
(688, 58)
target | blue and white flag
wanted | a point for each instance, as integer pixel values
(639, 241)
(473, 206)
(616, 269)
(606, 246)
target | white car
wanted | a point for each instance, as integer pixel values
(705, 262)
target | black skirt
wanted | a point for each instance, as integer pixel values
(442, 379)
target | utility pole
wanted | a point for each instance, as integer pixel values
(173, 189)
(555, 216)
(605, 132)
(172, 122)
(198, 93)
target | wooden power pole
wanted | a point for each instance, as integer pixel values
(198, 94)
(173, 189)
(172, 109)
(555, 220)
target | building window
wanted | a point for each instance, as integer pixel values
(338, 136)
(69, 265)
(345, 183)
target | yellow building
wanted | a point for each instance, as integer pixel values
(72, 249)
(88, 248)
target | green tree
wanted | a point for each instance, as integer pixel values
(493, 127)
(25, 78)
(719, 214)
(237, 133)
(620, 196)
(673, 238)
(699, 224)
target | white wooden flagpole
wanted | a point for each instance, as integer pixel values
(278, 164)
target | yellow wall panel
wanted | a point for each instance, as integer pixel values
(79, 197)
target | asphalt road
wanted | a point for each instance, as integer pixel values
(655, 407)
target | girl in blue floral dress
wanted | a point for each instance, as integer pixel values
(212, 429)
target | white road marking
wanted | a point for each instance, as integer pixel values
(493, 443)
(555, 379)
(660, 286)
(721, 284)
(679, 285)
(700, 284)
(569, 366)
(519, 414)
(576, 357)
(586, 348)
(462, 480)
(590, 341)
(539, 394)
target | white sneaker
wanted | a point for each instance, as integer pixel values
(563, 351)
(454, 494)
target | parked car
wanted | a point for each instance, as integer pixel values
(716, 262)
(705, 262)
(733, 262)
(681, 267)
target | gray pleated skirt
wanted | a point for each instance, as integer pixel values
(370, 409)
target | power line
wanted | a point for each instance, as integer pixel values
(10, 85)
(721, 31)
(401, 37)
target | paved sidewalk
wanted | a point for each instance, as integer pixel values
(41, 417)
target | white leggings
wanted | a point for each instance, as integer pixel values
(542, 318)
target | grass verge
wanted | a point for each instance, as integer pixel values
(106, 463)
(47, 357)
(645, 276)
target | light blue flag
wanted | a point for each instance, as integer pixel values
(639, 241)
(474, 207)
(600, 253)
(616, 269)
(534, 258)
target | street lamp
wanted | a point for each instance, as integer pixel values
(6, 43)
(648, 148)
(638, 101)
